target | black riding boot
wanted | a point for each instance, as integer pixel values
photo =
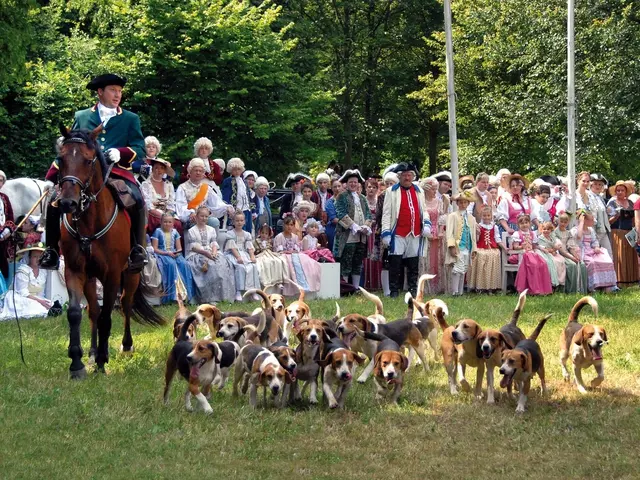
(396, 275)
(50, 259)
(412, 265)
(138, 255)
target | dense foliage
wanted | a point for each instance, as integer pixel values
(297, 84)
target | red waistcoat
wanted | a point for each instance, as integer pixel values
(409, 215)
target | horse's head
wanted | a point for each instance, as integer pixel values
(81, 163)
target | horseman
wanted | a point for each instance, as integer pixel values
(122, 143)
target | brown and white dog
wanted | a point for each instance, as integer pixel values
(584, 345)
(297, 311)
(423, 315)
(197, 363)
(278, 304)
(257, 366)
(522, 363)
(404, 332)
(212, 316)
(492, 342)
(459, 347)
(311, 335)
(388, 370)
(178, 320)
(239, 330)
(339, 366)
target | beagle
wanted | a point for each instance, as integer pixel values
(178, 320)
(286, 357)
(388, 370)
(239, 330)
(459, 346)
(522, 363)
(339, 365)
(257, 366)
(584, 345)
(378, 315)
(423, 317)
(198, 363)
(311, 335)
(422, 282)
(298, 310)
(212, 316)
(230, 351)
(492, 342)
(278, 304)
(404, 332)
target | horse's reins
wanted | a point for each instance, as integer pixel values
(86, 199)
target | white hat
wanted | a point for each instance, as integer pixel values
(2, 174)
(220, 163)
(249, 173)
(390, 177)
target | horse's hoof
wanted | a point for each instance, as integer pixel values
(130, 350)
(78, 374)
(100, 369)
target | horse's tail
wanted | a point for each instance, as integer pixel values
(142, 311)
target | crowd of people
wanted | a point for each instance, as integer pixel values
(213, 232)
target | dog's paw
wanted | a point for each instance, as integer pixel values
(567, 378)
(519, 409)
(313, 401)
(189, 408)
(596, 382)
(208, 411)
(333, 405)
(362, 380)
(582, 390)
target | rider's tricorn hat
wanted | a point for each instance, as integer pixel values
(105, 80)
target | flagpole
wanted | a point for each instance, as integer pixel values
(571, 106)
(451, 97)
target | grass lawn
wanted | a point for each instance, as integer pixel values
(116, 426)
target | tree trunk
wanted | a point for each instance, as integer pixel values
(434, 128)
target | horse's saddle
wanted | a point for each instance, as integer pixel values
(121, 192)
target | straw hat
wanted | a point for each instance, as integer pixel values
(464, 195)
(170, 171)
(33, 246)
(305, 204)
(517, 176)
(465, 180)
(627, 186)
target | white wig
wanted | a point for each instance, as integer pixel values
(390, 177)
(195, 162)
(430, 183)
(153, 141)
(261, 181)
(234, 162)
(202, 142)
(220, 163)
(323, 176)
(3, 176)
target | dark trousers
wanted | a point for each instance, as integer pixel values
(397, 266)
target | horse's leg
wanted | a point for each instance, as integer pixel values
(75, 283)
(91, 295)
(131, 281)
(111, 286)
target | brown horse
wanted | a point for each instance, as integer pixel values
(95, 242)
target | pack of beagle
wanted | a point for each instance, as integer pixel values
(328, 352)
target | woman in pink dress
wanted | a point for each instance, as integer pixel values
(601, 272)
(513, 204)
(433, 262)
(533, 273)
(372, 263)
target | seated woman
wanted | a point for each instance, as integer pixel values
(212, 274)
(600, 270)
(159, 194)
(213, 169)
(237, 193)
(302, 269)
(272, 267)
(168, 251)
(26, 298)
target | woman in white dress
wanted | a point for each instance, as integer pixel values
(25, 299)
(240, 252)
(159, 194)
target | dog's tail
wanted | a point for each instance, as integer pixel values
(434, 303)
(421, 283)
(538, 329)
(580, 304)
(194, 317)
(518, 310)
(262, 323)
(439, 312)
(412, 306)
(375, 299)
(337, 315)
(266, 302)
(300, 289)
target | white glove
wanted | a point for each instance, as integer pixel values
(5, 233)
(113, 155)
(426, 231)
(355, 228)
(386, 240)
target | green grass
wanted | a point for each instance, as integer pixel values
(116, 426)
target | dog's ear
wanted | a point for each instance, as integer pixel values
(358, 359)
(215, 350)
(287, 377)
(377, 369)
(578, 338)
(325, 361)
(604, 334)
(405, 362)
(526, 362)
(504, 343)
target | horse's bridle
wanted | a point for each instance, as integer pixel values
(86, 199)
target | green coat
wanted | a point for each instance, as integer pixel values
(122, 132)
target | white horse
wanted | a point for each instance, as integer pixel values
(23, 193)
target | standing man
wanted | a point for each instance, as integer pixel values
(405, 224)
(122, 143)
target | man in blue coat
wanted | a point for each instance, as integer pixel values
(122, 142)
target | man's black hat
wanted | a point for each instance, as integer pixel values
(105, 80)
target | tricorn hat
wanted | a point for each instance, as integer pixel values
(296, 178)
(350, 174)
(406, 167)
(105, 80)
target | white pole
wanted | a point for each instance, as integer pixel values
(451, 96)
(571, 107)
